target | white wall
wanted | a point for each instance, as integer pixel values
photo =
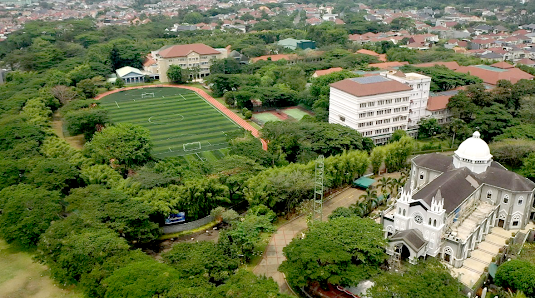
(345, 109)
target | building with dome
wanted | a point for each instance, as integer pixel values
(450, 204)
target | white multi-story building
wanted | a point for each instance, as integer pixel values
(375, 106)
(188, 56)
(420, 85)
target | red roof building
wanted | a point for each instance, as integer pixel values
(185, 49)
(319, 73)
(491, 75)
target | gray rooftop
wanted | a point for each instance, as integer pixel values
(412, 238)
(455, 186)
(370, 80)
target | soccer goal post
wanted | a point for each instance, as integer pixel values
(192, 146)
(147, 94)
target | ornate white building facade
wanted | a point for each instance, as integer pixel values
(450, 203)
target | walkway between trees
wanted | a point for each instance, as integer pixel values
(208, 98)
(273, 255)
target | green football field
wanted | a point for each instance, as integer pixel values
(181, 122)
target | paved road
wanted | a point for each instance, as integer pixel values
(274, 256)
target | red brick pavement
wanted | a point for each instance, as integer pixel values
(208, 98)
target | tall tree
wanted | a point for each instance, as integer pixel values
(246, 284)
(128, 217)
(342, 251)
(428, 127)
(27, 212)
(204, 259)
(176, 74)
(122, 144)
(142, 279)
(428, 278)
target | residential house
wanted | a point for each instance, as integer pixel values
(491, 74)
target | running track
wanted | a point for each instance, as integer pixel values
(208, 98)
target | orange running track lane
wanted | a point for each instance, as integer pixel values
(208, 98)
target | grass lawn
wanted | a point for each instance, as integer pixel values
(295, 113)
(180, 121)
(20, 277)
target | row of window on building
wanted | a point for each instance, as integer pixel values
(382, 112)
(193, 59)
(383, 102)
(384, 130)
(378, 122)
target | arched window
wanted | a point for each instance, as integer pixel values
(403, 212)
(429, 221)
(516, 219)
(506, 199)
(489, 194)
(399, 210)
(520, 200)
(434, 223)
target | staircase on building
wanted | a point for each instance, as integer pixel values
(480, 258)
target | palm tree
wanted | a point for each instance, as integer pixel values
(369, 198)
(384, 185)
(392, 187)
(360, 209)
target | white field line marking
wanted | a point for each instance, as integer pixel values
(117, 104)
(220, 112)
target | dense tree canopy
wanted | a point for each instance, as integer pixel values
(517, 275)
(428, 278)
(342, 251)
(26, 213)
(121, 144)
(204, 258)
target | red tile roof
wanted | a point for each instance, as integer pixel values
(368, 52)
(184, 49)
(492, 77)
(360, 90)
(435, 103)
(449, 64)
(502, 65)
(526, 61)
(323, 72)
(149, 61)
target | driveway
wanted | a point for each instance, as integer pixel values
(274, 256)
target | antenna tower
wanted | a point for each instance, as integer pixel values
(318, 189)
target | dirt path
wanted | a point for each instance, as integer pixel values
(208, 98)
(76, 142)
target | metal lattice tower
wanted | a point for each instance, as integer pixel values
(318, 189)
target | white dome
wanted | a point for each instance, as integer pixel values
(474, 149)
